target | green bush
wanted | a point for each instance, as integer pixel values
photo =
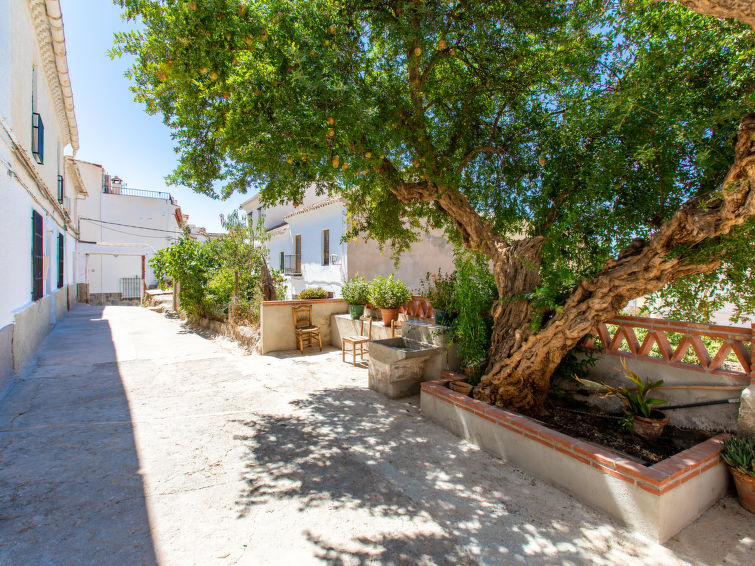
(475, 293)
(388, 292)
(356, 291)
(440, 290)
(314, 293)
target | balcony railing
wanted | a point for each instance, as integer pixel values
(127, 192)
(292, 265)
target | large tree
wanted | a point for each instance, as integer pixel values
(594, 151)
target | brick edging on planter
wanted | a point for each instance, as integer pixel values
(657, 479)
(300, 302)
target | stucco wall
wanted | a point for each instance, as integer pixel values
(714, 417)
(310, 226)
(5, 32)
(277, 327)
(6, 356)
(32, 325)
(25, 54)
(114, 227)
(429, 254)
(20, 192)
(273, 215)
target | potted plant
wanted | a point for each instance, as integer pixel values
(314, 293)
(739, 455)
(355, 292)
(388, 294)
(475, 292)
(440, 291)
(641, 417)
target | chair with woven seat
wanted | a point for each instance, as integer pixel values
(304, 330)
(357, 342)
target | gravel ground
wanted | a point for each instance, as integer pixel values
(132, 440)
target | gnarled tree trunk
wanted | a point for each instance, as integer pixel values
(523, 361)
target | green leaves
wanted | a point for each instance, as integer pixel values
(739, 453)
(586, 122)
(388, 292)
(356, 291)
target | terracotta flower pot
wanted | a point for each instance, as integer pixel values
(745, 489)
(461, 387)
(649, 429)
(389, 315)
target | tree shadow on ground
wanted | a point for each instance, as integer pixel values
(349, 451)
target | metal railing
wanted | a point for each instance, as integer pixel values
(127, 192)
(291, 265)
(131, 287)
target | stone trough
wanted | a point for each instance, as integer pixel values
(397, 365)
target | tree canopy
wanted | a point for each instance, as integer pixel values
(596, 130)
(586, 122)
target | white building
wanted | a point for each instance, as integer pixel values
(38, 214)
(120, 229)
(306, 244)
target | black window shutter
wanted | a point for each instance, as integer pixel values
(37, 257)
(61, 256)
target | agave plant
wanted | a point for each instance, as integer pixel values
(636, 398)
(739, 453)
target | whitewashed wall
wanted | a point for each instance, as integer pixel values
(274, 215)
(19, 191)
(310, 226)
(122, 226)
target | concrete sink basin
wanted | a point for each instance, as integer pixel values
(397, 365)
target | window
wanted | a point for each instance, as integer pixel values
(259, 214)
(60, 189)
(37, 138)
(61, 261)
(326, 247)
(37, 257)
(283, 262)
(297, 253)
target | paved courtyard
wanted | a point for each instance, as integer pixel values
(133, 440)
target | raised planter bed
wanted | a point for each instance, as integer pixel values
(657, 500)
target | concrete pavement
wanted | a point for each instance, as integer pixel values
(133, 440)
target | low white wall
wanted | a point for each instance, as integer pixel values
(277, 326)
(650, 499)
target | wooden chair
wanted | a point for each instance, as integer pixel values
(357, 342)
(303, 328)
(397, 325)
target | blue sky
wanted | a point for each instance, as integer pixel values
(115, 131)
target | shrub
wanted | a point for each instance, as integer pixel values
(475, 293)
(388, 292)
(314, 293)
(356, 291)
(440, 290)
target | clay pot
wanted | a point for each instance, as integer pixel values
(745, 489)
(461, 387)
(389, 315)
(649, 429)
